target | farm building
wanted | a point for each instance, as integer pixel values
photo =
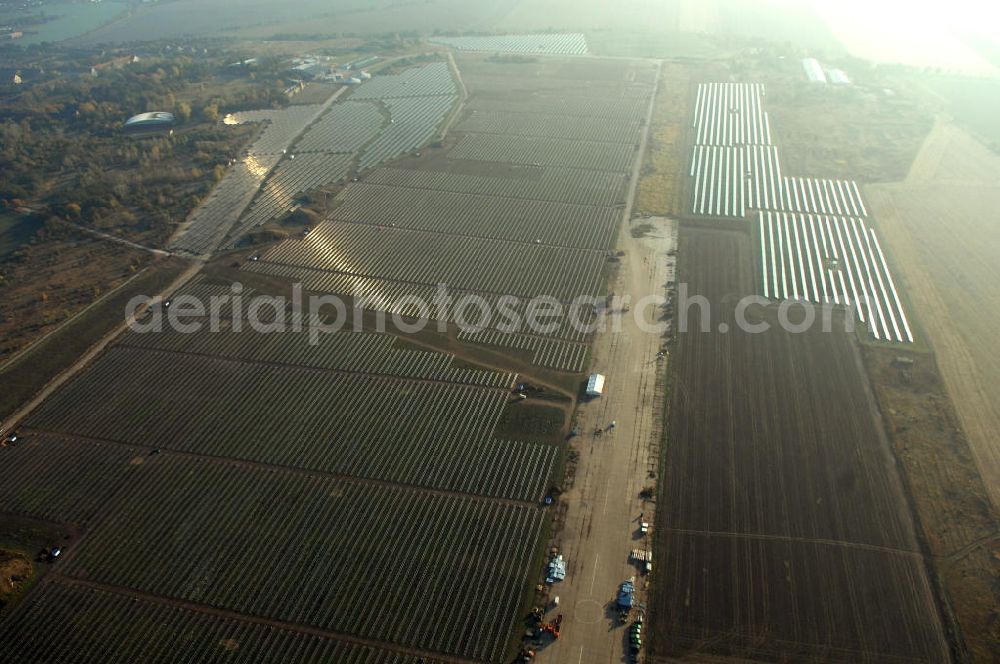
(148, 121)
(595, 385)
(813, 70)
(837, 77)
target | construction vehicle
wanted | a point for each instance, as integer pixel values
(551, 627)
(626, 598)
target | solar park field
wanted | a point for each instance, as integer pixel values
(405, 229)
(304, 147)
(785, 533)
(240, 495)
(348, 497)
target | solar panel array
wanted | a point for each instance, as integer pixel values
(384, 118)
(823, 196)
(414, 122)
(430, 79)
(296, 175)
(539, 44)
(346, 128)
(211, 221)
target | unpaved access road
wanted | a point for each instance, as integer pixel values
(603, 506)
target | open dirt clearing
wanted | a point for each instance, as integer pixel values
(941, 225)
(783, 531)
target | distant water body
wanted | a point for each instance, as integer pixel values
(67, 20)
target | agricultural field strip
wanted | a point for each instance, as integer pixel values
(805, 257)
(556, 185)
(60, 479)
(729, 114)
(583, 155)
(566, 127)
(466, 558)
(118, 625)
(523, 270)
(344, 351)
(396, 297)
(730, 180)
(471, 215)
(302, 419)
(540, 44)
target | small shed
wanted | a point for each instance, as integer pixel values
(595, 385)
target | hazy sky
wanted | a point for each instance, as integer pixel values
(919, 32)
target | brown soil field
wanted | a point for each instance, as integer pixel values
(957, 522)
(15, 572)
(941, 225)
(784, 531)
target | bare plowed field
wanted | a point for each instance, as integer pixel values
(784, 531)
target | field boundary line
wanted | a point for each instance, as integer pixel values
(297, 470)
(792, 539)
(57, 577)
(111, 238)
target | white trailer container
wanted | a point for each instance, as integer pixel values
(595, 385)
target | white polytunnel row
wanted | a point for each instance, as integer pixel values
(728, 114)
(831, 258)
(730, 180)
(823, 197)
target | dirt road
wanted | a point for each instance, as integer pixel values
(603, 506)
(95, 350)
